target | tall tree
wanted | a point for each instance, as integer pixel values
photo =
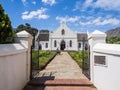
(6, 32)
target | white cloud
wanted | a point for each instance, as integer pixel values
(24, 2)
(108, 4)
(49, 2)
(39, 14)
(33, 2)
(87, 3)
(67, 19)
(77, 5)
(99, 22)
(26, 12)
(104, 4)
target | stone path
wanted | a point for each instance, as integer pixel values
(63, 67)
(62, 73)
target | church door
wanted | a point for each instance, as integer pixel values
(62, 45)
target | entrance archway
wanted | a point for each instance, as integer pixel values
(62, 45)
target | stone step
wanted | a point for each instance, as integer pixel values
(69, 88)
(60, 82)
(59, 88)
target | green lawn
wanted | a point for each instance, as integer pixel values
(77, 56)
(44, 58)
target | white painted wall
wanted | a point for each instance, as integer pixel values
(107, 77)
(13, 67)
(69, 35)
(104, 77)
(94, 38)
(43, 44)
(74, 44)
(15, 62)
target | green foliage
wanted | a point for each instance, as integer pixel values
(113, 40)
(28, 28)
(44, 57)
(6, 32)
(77, 56)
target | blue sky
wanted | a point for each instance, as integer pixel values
(80, 15)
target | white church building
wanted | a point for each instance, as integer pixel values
(63, 38)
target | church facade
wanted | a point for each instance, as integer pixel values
(63, 38)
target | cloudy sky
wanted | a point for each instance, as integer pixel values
(80, 15)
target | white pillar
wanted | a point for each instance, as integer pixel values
(94, 38)
(25, 39)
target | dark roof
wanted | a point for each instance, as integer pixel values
(81, 36)
(44, 31)
(43, 37)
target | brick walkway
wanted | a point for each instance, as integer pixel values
(62, 73)
(63, 67)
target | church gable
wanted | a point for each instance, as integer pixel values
(64, 31)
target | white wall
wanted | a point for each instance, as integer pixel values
(74, 43)
(13, 67)
(107, 77)
(69, 35)
(43, 45)
(15, 62)
(104, 77)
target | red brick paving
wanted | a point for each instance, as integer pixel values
(69, 88)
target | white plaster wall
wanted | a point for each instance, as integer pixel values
(81, 48)
(13, 70)
(68, 33)
(107, 77)
(43, 44)
(93, 39)
(74, 44)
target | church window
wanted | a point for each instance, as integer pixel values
(70, 43)
(79, 45)
(55, 43)
(46, 45)
(63, 32)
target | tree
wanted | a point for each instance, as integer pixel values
(6, 32)
(113, 40)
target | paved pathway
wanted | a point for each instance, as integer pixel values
(62, 73)
(63, 67)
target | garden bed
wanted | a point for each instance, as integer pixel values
(44, 58)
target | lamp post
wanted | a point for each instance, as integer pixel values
(83, 41)
(38, 51)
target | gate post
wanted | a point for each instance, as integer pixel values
(94, 38)
(26, 41)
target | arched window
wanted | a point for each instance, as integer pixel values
(46, 45)
(55, 43)
(79, 45)
(63, 32)
(70, 43)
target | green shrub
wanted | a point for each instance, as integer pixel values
(44, 57)
(77, 56)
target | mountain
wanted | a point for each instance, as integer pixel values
(113, 33)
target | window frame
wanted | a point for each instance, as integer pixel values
(55, 43)
(99, 64)
(46, 45)
(63, 32)
(70, 43)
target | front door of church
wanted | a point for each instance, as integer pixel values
(62, 45)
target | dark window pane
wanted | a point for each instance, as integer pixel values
(63, 32)
(70, 43)
(100, 60)
(55, 43)
(79, 45)
(46, 45)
